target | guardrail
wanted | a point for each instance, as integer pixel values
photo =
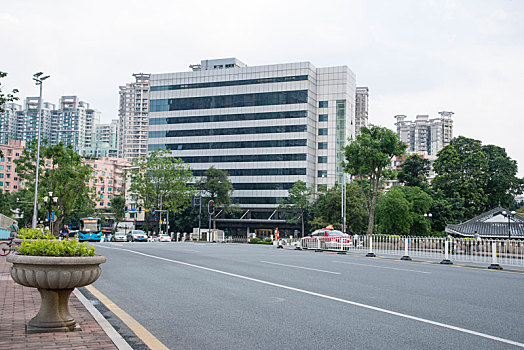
(504, 252)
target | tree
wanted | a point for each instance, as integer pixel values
(394, 212)
(502, 183)
(482, 176)
(63, 173)
(218, 187)
(161, 182)
(420, 203)
(327, 209)
(118, 204)
(445, 210)
(367, 158)
(415, 171)
(297, 204)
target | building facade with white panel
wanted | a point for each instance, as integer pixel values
(268, 126)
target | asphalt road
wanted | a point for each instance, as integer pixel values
(239, 296)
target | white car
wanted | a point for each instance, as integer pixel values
(119, 237)
(164, 238)
(137, 236)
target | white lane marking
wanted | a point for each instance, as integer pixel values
(380, 267)
(354, 303)
(300, 267)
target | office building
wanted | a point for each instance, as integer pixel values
(361, 108)
(133, 115)
(425, 135)
(268, 126)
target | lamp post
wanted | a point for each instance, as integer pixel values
(39, 81)
(428, 216)
(509, 215)
(50, 200)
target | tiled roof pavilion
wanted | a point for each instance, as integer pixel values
(491, 224)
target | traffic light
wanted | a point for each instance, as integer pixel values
(153, 211)
(125, 209)
(139, 210)
(211, 206)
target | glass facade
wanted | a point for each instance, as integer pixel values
(323, 118)
(227, 145)
(229, 131)
(323, 131)
(323, 104)
(246, 158)
(340, 138)
(259, 172)
(322, 145)
(229, 101)
(227, 117)
(258, 200)
(230, 83)
(263, 186)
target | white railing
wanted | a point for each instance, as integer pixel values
(507, 252)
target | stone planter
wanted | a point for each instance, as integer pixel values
(55, 278)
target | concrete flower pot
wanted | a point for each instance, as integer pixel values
(55, 278)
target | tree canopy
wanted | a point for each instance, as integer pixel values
(61, 172)
(415, 171)
(298, 204)
(367, 158)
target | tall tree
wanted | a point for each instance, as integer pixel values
(368, 157)
(118, 204)
(415, 171)
(297, 205)
(161, 182)
(63, 173)
(217, 187)
(394, 212)
(502, 183)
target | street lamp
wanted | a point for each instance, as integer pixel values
(428, 216)
(50, 200)
(38, 81)
(509, 215)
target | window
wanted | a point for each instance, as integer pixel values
(322, 173)
(110, 189)
(229, 144)
(95, 166)
(110, 182)
(228, 117)
(322, 145)
(322, 159)
(321, 187)
(228, 101)
(8, 176)
(322, 117)
(9, 159)
(259, 172)
(1, 184)
(1, 167)
(246, 158)
(8, 168)
(2, 159)
(323, 104)
(101, 204)
(323, 131)
(229, 131)
(1, 176)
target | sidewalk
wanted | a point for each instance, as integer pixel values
(19, 304)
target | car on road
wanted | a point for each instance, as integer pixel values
(137, 236)
(164, 238)
(329, 239)
(119, 237)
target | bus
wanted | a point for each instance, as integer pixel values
(90, 229)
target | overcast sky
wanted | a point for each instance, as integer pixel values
(416, 57)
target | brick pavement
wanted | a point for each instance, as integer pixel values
(19, 304)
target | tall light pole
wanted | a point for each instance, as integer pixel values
(509, 215)
(428, 216)
(39, 80)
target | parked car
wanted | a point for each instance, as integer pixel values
(164, 238)
(119, 237)
(137, 236)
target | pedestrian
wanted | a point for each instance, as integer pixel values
(14, 230)
(64, 232)
(477, 239)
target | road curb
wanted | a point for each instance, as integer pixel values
(115, 337)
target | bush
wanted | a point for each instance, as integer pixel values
(56, 248)
(33, 233)
(259, 241)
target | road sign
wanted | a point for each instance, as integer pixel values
(51, 216)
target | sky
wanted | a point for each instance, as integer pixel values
(416, 56)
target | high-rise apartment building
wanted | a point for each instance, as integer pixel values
(108, 179)
(134, 117)
(27, 122)
(361, 108)
(425, 135)
(268, 126)
(9, 122)
(9, 179)
(105, 141)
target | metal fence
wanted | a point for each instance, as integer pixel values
(489, 251)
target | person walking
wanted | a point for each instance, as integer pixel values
(14, 229)
(476, 236)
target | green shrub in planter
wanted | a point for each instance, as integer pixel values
(33, 233)
(56, 248)
(254, 240)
